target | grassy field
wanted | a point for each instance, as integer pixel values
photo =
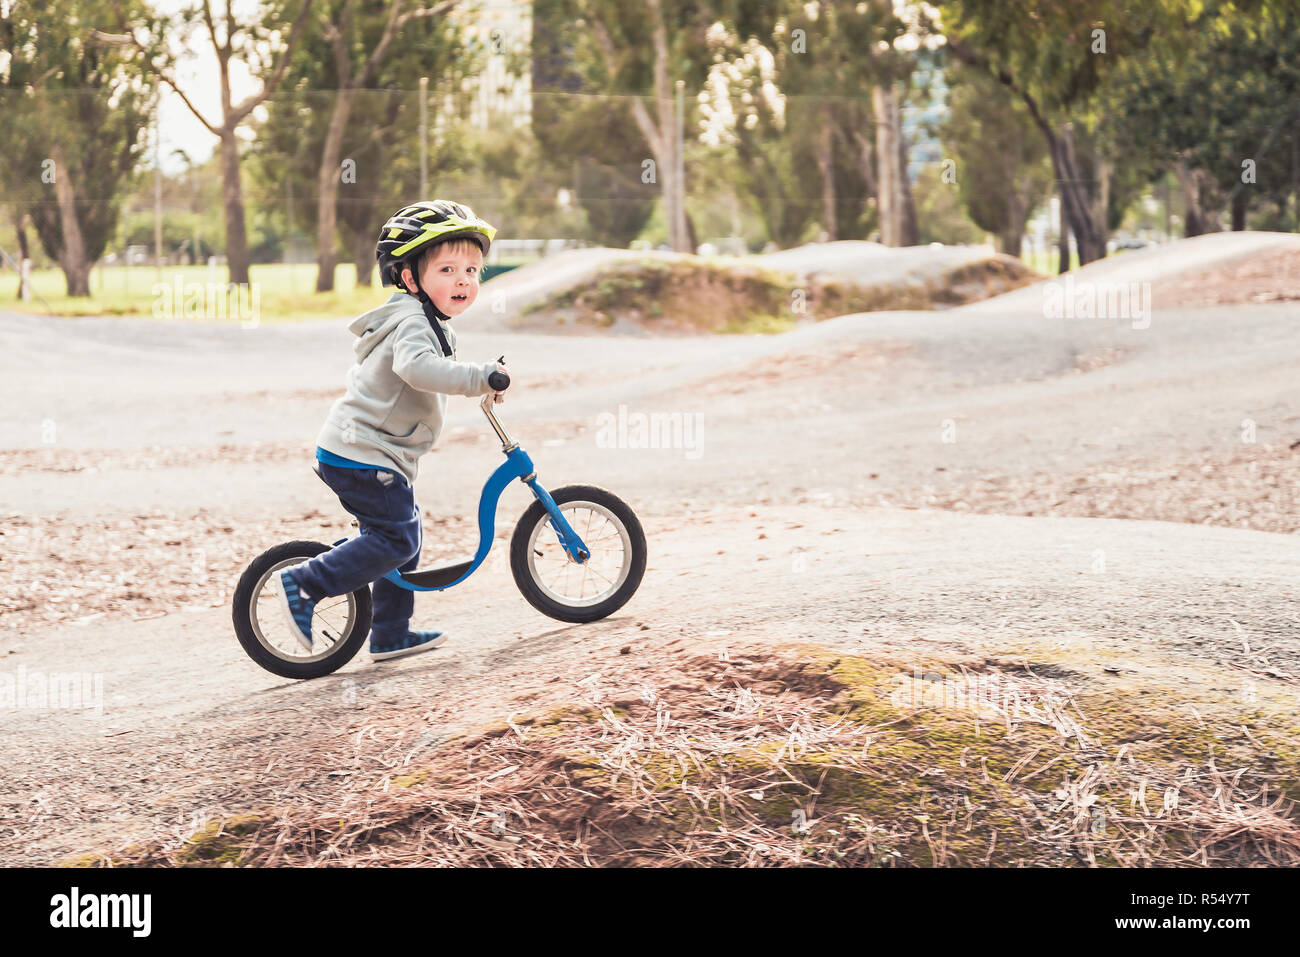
(1045, 262)
(277, 292)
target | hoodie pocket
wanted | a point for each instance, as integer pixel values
(414, 435)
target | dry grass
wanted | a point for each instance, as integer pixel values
(793, 757)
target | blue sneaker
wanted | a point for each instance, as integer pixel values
(414, 643)
(298, 609)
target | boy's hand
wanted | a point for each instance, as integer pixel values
(501, 369)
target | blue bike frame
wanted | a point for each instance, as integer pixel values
(516, 466)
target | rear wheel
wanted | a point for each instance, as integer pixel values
(566, 590)
(339, 626)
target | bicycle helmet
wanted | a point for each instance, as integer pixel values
(414, 228)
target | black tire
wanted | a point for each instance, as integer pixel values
(537, 515)
(243, 612)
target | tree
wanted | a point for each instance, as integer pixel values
(589, 142)
(1001, 170)
(612, 53)
(74, 111)
(1056, 57)
(940, 213)
(348, 153)
(230, 40)
(359, 37)
(1223, 111)
(793, 100)
(743, 109)
(830, 57)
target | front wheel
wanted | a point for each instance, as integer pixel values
(554, 583)
(339, 625)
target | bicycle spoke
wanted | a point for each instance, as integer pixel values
(594, 572)
(595, 529)
(564, 569)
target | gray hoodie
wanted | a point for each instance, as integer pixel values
(397, 389)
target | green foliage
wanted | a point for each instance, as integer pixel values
(66, 95)
(1047, 48)
(589, 141)
(788, 79)
(940, 214)
(627, 26)
(1001, 167)
(380, 145)
(1062, 60)
(1227, 92)
(502, 172)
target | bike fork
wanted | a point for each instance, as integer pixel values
(571, 542)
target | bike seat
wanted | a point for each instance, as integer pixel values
(437, 577)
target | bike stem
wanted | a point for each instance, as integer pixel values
(507, 443)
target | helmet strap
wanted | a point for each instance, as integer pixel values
(435, 315)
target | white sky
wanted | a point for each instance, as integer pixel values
(198, 77)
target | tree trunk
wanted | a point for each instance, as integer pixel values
(865, 166)
(20, 225)
(1189, 182)
(1076, 204)
(674, 190)
(72, 249)
(233, 200)
(826, 170)
(363, 257)
(1011, 238)
(887, 193)
(327, 191)
(1063, 248)
(24, 257)
(1079, 210)
(911, 232)
(898, 226)
(1239, 210)
(1077, 200)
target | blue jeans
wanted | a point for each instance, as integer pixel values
(391, 537)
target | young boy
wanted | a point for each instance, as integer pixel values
(369, 448)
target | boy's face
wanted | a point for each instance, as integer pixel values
(450, 276)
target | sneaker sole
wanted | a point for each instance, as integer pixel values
(403, 652)
(288, 613)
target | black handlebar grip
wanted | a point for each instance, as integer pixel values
(499, 381)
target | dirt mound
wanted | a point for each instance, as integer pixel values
(686, 294)
(797, 754)
(1217, 268)
(1270, 275)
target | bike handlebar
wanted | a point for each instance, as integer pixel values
(499, 381)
